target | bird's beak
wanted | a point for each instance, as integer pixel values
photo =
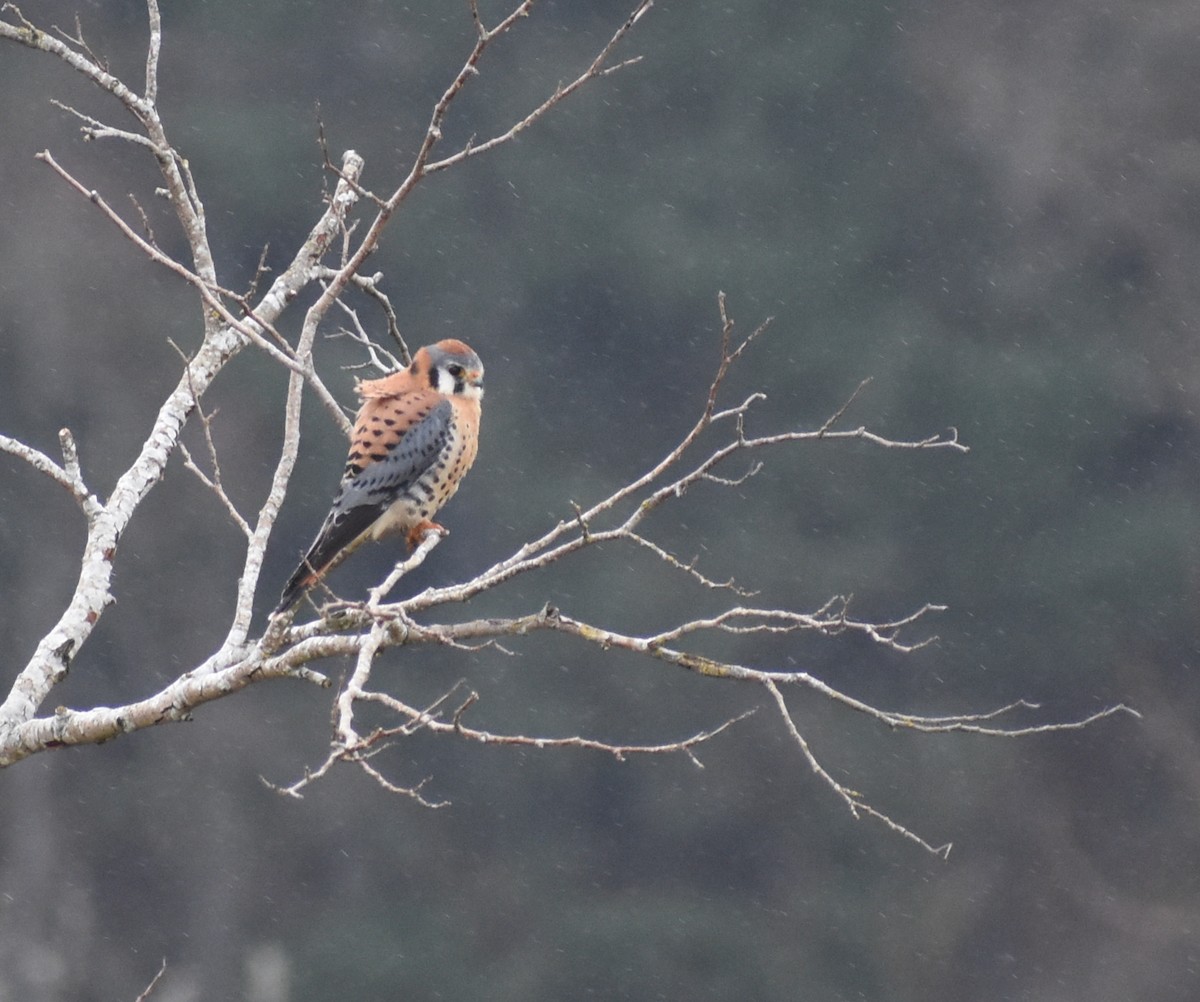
(475, 377)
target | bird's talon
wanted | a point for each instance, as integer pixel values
(417, 534)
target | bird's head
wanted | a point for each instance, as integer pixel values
(450, 367)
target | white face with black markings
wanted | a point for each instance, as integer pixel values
(456, 374)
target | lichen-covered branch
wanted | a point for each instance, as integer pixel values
(226, 333)
(720, 451)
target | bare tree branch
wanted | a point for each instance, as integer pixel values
(595, 69)
(852, 799)
(225, 336)
(149, 989)
(67, 476)
(213, 483)
(717, 452)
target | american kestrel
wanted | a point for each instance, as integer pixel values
(415, 437)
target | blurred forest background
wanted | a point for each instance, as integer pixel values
(993, 208)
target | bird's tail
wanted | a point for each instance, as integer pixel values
(340, 535)
(303, 579)
(323, 556)
(320, 558)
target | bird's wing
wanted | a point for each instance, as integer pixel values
(367, 493)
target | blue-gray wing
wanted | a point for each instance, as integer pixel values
(393, 473)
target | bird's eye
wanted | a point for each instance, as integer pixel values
(456, 370)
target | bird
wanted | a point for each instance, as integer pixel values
(414, 439)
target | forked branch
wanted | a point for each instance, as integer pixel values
(718, 452)
(341, 628)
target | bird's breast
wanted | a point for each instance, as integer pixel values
(436, 485)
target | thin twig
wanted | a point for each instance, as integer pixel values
(851, 798)
(836, 416)
(149, 989)
(68, 478)
(213, 483)
(382, 359)
(594, 71)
